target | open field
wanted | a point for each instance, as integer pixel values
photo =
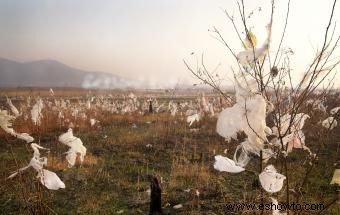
(124, 148)
(170, 107)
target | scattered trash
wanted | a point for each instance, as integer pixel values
(271, 181)
(179, 206)
(225, 164)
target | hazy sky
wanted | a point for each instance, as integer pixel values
(147, 39)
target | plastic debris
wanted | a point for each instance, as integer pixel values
(252, 54)
(6, 124)
(191, 119)
(179, 206)
(47, 178)
(225, 164)
(270, 180)
(13, 108)
(336, 177)
(36, 114)
(330, 123)
(276, 210)
(76, 147)
(335, 110)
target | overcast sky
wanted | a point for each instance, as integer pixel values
(148, 39)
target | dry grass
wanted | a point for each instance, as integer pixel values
(113, 177)
(57, 164)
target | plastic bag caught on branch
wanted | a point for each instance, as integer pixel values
(335, 110)
(6, 124)
(330, 123)
(270, 180)
(47, 178)
(286, 122)
(247, 115)
(36, 114)
(76, 147)
(250, 41)
(13, 108)
(252, 54)
(295, 138)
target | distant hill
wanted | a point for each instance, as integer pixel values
(51, 73)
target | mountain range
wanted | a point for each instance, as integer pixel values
(51, 73)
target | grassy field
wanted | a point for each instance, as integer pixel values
(124, 149)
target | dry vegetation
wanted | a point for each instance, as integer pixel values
(113, 178)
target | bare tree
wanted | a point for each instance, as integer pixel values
(273, 76)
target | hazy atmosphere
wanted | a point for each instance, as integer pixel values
(147, 40)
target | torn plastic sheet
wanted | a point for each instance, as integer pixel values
(6, 124)
(270, 180)
(225, 164)
(48, 178)
(76, 147)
